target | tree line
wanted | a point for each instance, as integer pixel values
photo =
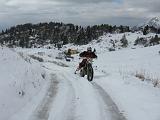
(36, 35)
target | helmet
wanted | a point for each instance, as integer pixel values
(89, 49)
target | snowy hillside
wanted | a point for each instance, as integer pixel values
(125, 86)
(124, 81)
(155, 22)
(107, 41)
(20, 80)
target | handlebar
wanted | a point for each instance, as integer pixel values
(85, 58)
(88, 59)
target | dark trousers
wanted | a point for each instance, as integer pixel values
(83, 63)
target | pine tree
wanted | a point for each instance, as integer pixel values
(155, 40)
(21, 43)
(158, 31)
(121, 29)
(124, 41)
(145, 30)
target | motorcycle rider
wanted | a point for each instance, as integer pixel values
(86, 54)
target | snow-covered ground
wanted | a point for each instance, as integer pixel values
(49, 89)
(20, 80)
(138, 100)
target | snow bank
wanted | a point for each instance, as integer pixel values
(21, 78)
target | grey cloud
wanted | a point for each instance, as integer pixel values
(150, 5)
(131, 21)
(83, 1)
(82, 12)
(154, 7)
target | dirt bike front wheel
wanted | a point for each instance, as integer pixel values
(90, 73)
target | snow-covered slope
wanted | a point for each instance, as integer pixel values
(105, 42)
(155, 22)
(116, 92)
(20, 80)
(137, 98)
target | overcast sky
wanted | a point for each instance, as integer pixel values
(81, 12)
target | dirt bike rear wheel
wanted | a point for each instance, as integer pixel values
(82, 72)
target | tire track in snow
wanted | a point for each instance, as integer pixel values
(72, 99)
(64, 109)
(88, 106)
(67, 97)
(112, 107)
(72, 108)
(43, 110)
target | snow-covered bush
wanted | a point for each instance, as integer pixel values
(146, 77)
(111, 49)
(154, 40)
(37, 58)
(140, 41)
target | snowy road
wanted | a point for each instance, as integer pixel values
(71, 97)
(53, 98)
(42, 111)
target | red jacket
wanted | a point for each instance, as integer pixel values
(88, 54)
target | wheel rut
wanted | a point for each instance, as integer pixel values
(43, 110)
(110, 104)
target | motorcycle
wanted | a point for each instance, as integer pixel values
(87, 70)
